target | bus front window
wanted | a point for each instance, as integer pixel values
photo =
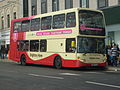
(90, 45)
(91, 23)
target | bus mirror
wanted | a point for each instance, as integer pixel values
(73, 44)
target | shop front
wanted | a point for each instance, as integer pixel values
(112, 16)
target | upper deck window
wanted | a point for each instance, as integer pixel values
(58, 21)
(17, 26)
(70, 20)
(35, 24)
(91, 23)
(46, 23)
(25, 25)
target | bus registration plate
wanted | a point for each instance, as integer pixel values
(94, 64)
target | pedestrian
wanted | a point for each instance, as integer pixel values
(108, 54)
(2, 52)
(6, 53)
(114, 54)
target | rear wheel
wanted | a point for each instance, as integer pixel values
(58, 62)
(23, 60)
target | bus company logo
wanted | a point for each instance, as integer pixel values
(58, 32)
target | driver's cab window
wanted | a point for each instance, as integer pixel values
(70, 45)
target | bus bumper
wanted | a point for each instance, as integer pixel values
(77, 63)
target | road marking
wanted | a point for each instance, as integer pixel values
(69, 74)
(45, 76)
(102, 84)
(110, 71)
(92, 72)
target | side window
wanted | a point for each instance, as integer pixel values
(25, 25)
(34, 45)
(58, 21)
(70, 45)
(46, 23)
(23, 45)
(43, 45)
(35, 24)
(18, 45)
(17, 26)
(70, 20)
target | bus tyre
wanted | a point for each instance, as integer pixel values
(58, 62)
(23, 60)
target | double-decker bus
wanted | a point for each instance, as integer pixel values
(68, 38)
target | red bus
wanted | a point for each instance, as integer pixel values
(67, 38)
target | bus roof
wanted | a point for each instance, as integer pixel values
(54, 13)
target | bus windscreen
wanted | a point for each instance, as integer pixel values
(91, 23)
(91, 45)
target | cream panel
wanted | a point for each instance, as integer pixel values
(56, 45)
(48, 34)
(69, 56)
(91, 58)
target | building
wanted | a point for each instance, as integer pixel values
(8, 11)
(12, 9)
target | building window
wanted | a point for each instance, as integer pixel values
(34, 7)
(68, 4)
(55, 5)
(25, 8)
(118, 1)
(102, 3)
(8, 20)
(84, 3)
(43, 6)
(14, 15)
(2, 22)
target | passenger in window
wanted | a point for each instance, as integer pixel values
(42, 47)
(73, 47)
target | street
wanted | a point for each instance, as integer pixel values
(35, 77)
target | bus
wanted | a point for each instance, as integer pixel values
(67, 38)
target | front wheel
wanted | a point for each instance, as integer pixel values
(23, 60)
(58, 62)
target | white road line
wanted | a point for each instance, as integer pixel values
(45, 76)
(110, 71)
(102, 84)
(69, 74)
(92, 72)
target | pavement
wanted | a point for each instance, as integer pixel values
(109, 68)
